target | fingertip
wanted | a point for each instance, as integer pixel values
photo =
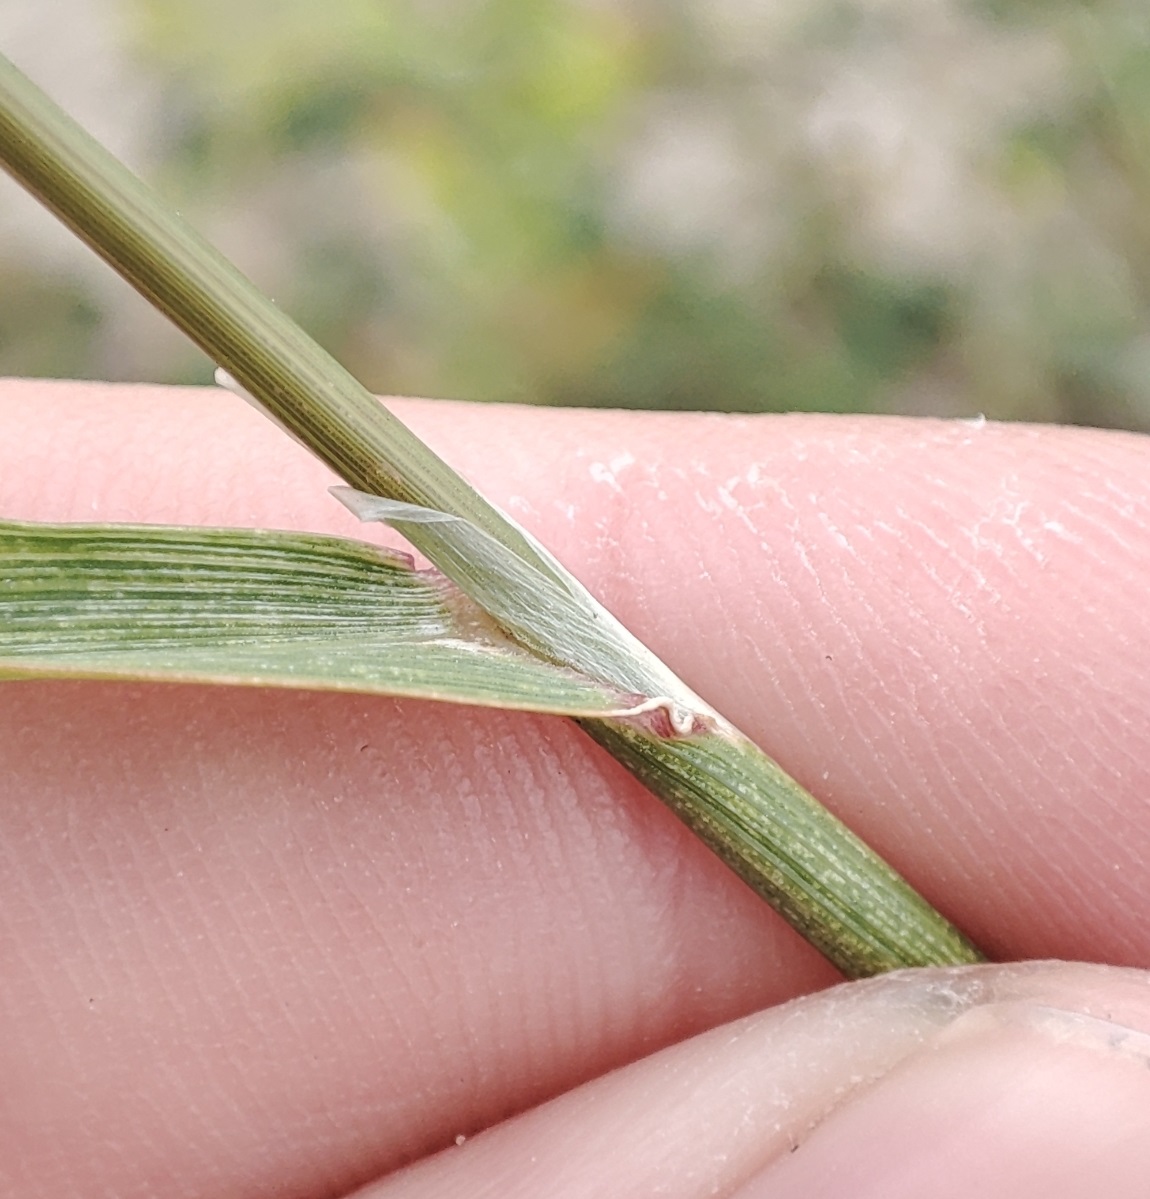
(1019, 1100)
(985, 1081)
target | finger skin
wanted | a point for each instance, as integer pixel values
(1017, 1103)
(1019, 1082)
(273, 939)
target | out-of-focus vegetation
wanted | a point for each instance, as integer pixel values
(928, 206)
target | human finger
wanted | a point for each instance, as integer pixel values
(639, 938)
(1015, 1082)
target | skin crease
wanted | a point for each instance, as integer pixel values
(281, 943)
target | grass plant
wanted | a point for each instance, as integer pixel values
(497, 620)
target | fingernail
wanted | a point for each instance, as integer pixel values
(1013, 1100)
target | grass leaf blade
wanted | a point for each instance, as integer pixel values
(260, 608)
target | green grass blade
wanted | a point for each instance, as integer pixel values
(259, 608)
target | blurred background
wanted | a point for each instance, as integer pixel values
(935, 207)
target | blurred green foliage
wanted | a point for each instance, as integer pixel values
(933, 207)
